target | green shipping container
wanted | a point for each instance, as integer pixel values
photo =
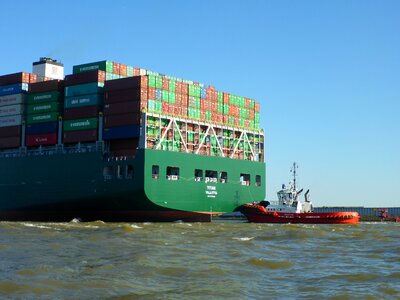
(52, 96)
(172, 97)
(81, 124)
(158, 82)
(172, 86)
(104, 65)
(85, 100)
(84, 89)
(42, 118)
(152, 81)
(43, 108)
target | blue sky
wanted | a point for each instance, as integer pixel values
(326, 74)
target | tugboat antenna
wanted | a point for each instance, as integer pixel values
(293, 170)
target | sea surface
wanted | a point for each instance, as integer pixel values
(219, 260)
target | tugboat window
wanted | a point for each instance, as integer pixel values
(155, 171)
(198, 175)
(211, 176)
(108, 172)
(245, 179)
(223, 177)
(129, 172)
(172, 173)
(258, 180)
(119, 172)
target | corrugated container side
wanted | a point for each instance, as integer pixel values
(10, 110)
(21, 77)
(50, 127)
(121, 132)
(81, 124)
(42, 118)
(44, 97)
(122, 120)
(81, 112)
(47, 86)
(84, 89)
(85, 100)
(43, 108)
(85, 77)
(10, 142)
(41, 139)
(122, 84)
(10, 131)
(12, 99)
(122, 107)
(122, 95)
(104, 65)
(20, 88)
(11, 121)
(80, 136)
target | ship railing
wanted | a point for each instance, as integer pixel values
(54, 149)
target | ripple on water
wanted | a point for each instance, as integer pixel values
(258, 262)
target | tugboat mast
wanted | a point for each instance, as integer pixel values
(293, 170)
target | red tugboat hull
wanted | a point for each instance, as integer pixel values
(258, 214)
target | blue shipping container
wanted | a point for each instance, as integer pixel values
(50, 127)
(203, 93)
(19, 88)
(121, 132)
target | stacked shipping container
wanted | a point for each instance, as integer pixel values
(13, 89)
(128, 91)
(82, 104)
(45, 102)
(124, 99)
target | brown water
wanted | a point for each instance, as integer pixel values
(219, 260)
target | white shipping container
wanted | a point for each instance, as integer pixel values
(10, 121)
(11, 110)
(12, 99)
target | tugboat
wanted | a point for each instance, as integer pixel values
(290, 209)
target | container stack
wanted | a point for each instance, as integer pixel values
(112, 69)
(45, 102)
(167, 95)
(82, 104)
(13, 90)
(124, 100)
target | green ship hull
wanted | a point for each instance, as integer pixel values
(90, 186)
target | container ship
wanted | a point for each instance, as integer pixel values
(114, 142)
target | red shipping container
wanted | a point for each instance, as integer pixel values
(33, 78)
(203, 115)
(151, 93)
(41, 139)
(122, 120)
(122, 108)
(21, 77)
(47, 86)
(123, 83)
(184, 88)
(10, 142)
(184, 111)
(116, 67)
(165, 84)
(165, 107)
(81, 112)
(171, 109)
(122, 95)
(136, 72)
(122, 70)
(80, 136)
(251, 114)
(85, 77)
(257, 107)
(143, 93)
(10, 131)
